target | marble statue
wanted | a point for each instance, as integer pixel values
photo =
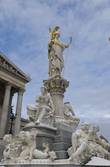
(13, 147)
(45, 105)
(23, 147)
(45, 154)
(69, 114)
(44, 108)
(28, 145)
(76, 152)
(86, 143)
(7, 140)
(98, 145)
(55, 52)
(32, 113)
(29, 148)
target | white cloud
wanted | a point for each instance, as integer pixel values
(107, 116)
(24, 37)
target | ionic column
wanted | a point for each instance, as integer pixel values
(18, 111)
(5, 107)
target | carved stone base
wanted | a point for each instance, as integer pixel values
(63, 139)
(56, 86)
(45, 134)
(48, 163)
(40, 163)
(58, 139)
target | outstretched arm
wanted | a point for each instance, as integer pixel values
(57, 42)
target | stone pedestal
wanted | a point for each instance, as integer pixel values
(41, 163)
(56, 86)
(63, 139)
(45, 134)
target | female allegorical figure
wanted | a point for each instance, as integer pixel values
(55, 52)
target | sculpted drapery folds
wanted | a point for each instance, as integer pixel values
(55, 52)
(86, 143)
(44, 108)
(45, 105)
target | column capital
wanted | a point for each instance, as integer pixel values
(8, 85)
(56, 85)
(12, 91)
(21, 91)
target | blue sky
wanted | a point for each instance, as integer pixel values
(24, 37)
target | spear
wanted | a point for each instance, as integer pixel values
(70, 40)
(69, 43)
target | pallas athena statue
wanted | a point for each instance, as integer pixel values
(55, 52)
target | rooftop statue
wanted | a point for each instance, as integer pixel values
(55, 52)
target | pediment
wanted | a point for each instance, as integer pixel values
(10, 67)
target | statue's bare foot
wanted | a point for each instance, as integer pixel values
(70, 159)
(37, 122)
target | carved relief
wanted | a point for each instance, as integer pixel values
(56, 84)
